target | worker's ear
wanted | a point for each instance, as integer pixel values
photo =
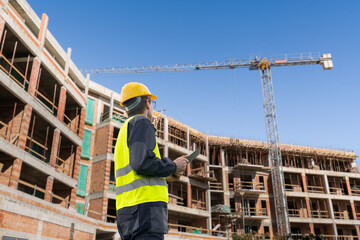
(148, 104)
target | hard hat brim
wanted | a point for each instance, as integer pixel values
(152, 98)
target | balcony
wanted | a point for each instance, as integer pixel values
(173, 199)
(319, 213)
(298, 213)
(252, 213)
(201, 174)
(249, 187)
(355, 186)
(337, 186)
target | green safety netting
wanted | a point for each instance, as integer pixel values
(85, 150)
(79, 208)
(81, 189)
(89, 111)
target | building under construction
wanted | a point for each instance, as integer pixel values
(57, 137)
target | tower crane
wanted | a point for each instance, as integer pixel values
(264, 65)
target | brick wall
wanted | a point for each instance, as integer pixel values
(96, 205)
(17, 222)
(101, 140)
(97, 176)
(55, 231)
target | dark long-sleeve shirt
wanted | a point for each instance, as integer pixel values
(141, 142)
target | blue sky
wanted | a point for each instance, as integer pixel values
(314, 107)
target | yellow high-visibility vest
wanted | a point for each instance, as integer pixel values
(132, 188)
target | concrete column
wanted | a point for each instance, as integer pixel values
(312, 230)
(308, 207)
(87, 85)
(34, 75)
(166, 151)
(166, 129)
(187, 138)
(67, 63)
(357, 231)
(111, 106)
(207, 147)
(303, 178)
(188, 187)
(43, 29)
(327, 191)
(326, 184)
(225, 179)
(49, 188)
(62, 104)
(347, 181)
(54, 147)
(222, 157)
(99, 109)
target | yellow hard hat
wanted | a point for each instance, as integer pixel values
(134, 89)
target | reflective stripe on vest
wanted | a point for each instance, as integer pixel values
(132, 188)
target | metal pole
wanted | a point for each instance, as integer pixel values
(12, 121)
(53, 103)
(38, 82)
(2, 44)
(27, 68)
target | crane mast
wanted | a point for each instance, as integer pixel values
(264, 65)
(275, 160)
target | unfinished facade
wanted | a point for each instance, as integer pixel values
(57, 136)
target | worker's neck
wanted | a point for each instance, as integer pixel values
(147, 115)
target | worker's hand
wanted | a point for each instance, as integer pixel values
(181, 163)
(173, 178)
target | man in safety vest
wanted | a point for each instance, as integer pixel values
(141, 174)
